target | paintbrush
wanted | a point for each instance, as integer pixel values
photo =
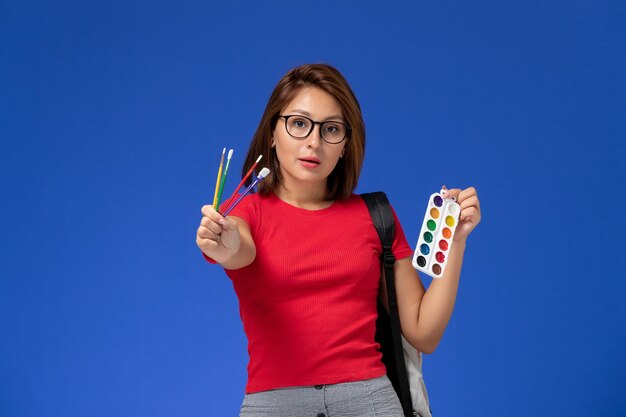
(259, 177)
(219, 195)
(243, 181)
(219, 177)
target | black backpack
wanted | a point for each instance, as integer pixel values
(388, 330)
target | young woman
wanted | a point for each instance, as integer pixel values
(303, 255)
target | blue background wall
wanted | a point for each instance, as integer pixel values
(112, 119)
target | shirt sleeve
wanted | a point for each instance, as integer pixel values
(400, 246)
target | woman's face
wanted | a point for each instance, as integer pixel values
(308, 160)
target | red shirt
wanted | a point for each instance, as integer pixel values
(308, 301)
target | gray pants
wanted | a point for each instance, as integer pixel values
(369, 398)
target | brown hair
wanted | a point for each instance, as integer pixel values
(343, 179)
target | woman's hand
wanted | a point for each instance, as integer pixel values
(470, 211)
(218, 237)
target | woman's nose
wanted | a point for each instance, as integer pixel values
(315, 139)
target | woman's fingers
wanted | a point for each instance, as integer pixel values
(211, 225)
(471, 213)
(211, 213)
(461, 196)
(228, 223)
(471, 201)
(453, 193)
(467, 193)
(218, 237)
(206, 233)
(470, 208)
(205, 243)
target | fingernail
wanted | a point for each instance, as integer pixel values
(223, 222)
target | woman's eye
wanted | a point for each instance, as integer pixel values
(299, 123)
(332, 129)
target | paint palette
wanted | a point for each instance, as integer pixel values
(435, 239)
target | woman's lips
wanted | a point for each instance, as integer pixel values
(309, 162)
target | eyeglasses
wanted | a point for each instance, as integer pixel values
(301, 127)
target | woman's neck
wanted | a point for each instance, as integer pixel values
(306, 196)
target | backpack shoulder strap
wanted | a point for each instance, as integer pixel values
(380, 210)
(382, 216)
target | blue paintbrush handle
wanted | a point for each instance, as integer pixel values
(246, 191)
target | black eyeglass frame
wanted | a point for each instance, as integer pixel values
(313, 123)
